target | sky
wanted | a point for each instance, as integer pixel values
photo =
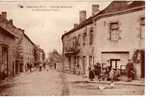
(45, 22)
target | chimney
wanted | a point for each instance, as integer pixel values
(95, 9)
(23, 31)
(75, 25)
(4, 15)
(82, 15)
(11, 21)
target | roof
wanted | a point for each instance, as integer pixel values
(8, 32)
(114, 6)
(117, 6)
(84, 23)
(29, 39)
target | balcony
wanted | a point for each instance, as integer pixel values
(72, 51)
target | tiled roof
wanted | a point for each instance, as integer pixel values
(8, 32)
(115, 6)
(121, 6)
(84, 23)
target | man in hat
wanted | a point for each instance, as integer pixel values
(130, 70)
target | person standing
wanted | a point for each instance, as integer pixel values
(130, 70)
(112, 75)
(30, 66)
(97, 70)
(55, 65)
(117, 74)
(40, 67)
(91, 74)
(78, 69)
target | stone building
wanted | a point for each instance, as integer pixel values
(27, 52)
(110, 36)
(7, 48)
(121, 27)
(78, 45)
(39, 55)
(19, 50)
(22, 50)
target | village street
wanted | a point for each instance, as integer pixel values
(54, 55)
(55, 83)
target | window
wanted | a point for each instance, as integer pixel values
(75, 58)
(142, 27)
(90, 61)
(114, 31)
(75, 42)
(84, 64)
(84, 38)
(79, 37)
(74, 38)
(4, 59)
(78, 61)
(91, 36)
(70, 43)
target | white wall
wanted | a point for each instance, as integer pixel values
(129, 24)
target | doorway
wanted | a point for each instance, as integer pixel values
(5, 60)
(84, 64)
(69, 58)
(114, 63)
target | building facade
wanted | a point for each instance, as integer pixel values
(78, 44)
(121, 28)
(110, 36)
(76, 49)
(27, 52)
(19, 50)
(7, 49)
(16, 48)
(39, 55)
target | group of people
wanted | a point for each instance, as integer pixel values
(29, 66)
(39, 65)
(103, 73)
(108, 73)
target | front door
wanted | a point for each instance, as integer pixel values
(5, 59)
(69, 62)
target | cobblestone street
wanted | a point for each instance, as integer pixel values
(55, 83)
(42, 83)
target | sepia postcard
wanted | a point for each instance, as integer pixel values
(72, 47)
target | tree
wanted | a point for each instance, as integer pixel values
(54, 56)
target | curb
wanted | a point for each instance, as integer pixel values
(108, 82)
(120, 83)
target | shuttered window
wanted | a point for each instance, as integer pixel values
(114, 31)
(142, 27)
